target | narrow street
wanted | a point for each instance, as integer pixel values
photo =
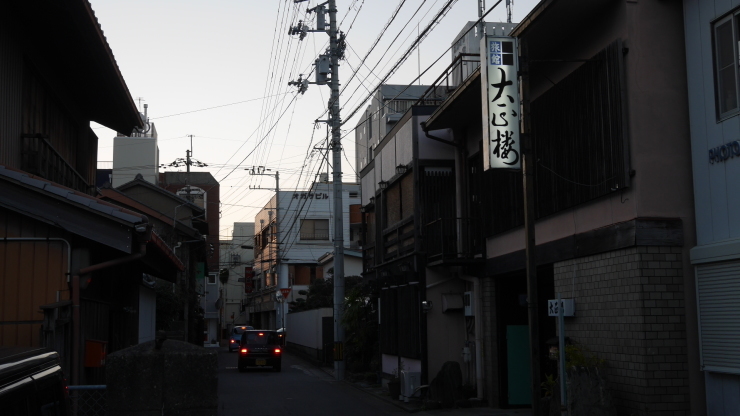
(300, 389)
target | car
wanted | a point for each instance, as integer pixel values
(32, 383)
(236, 336)
(260, 348)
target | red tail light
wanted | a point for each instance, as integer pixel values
(243, 351)
(277, 350)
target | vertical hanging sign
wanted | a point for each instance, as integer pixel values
(500, 95)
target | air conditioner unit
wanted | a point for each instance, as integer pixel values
(410, 381)
(468, 304)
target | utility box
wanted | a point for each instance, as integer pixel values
(452, 302)
(468, 304)
(95, 352)
(410, 381)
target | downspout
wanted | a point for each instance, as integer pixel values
(76, 301)
(478, 333)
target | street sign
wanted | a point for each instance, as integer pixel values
(285, 291)
(569, 307)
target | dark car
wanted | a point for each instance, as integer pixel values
(32, 383)
(260, 348)
(236, 336)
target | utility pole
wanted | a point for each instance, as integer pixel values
(328, 64)
(529, 229)
(282, 268)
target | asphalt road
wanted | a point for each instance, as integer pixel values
(300, 389)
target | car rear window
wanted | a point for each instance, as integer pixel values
(240, 329)
(260, 338)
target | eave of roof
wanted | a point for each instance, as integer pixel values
(68, 47)
(122, 198)
(75, 212)
(178, 199)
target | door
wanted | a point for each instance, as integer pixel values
(519, 379)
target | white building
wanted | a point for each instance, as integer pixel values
(136, 154)
(237, 258)
(291, 233)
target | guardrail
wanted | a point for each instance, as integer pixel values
(88, 400)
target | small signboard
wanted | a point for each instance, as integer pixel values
(285, 291)
(568, 305)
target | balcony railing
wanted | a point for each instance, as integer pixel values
(398, 239)
(451, 78)
(40, 159)
(454, 241)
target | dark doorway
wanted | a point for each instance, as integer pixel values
(513, 334)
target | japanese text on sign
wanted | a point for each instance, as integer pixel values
(501, 104)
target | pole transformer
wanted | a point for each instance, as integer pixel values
(327, 72)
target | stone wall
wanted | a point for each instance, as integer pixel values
(179, 379)
(630, 312)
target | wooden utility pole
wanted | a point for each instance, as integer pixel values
(529, 227)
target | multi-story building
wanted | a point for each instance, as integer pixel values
(237, 260)
(291, 233)
(613, 206)
(202, 190)
(712, 30)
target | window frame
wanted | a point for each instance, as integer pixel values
(734, 19)
(314, 220)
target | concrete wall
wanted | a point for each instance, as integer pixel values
(142, 380)
(445, 330)
(630, 312)
(304, 328)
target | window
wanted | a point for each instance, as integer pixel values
(314, 229)
(211, 278)
(726, 65)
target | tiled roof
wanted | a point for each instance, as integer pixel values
(71, 196)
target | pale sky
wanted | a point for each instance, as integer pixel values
(205, 68)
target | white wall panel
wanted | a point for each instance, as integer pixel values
(389, 159)
(404, 144)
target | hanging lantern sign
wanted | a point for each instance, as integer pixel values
(500, 95)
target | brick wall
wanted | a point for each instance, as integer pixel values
(630, 312)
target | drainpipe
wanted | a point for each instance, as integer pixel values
(76, 301)
(478, 333)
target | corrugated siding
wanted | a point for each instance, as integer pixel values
(31, 273)
(11, 81)
(719, 316)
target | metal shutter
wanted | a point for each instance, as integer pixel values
(718, 292)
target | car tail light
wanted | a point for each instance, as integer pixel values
(277, 350)
(243, 351)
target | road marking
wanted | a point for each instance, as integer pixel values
(231, 368)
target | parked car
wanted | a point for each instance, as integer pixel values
(260, 348)
(32, 383)
(236, 336)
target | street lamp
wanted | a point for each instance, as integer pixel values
(383, 184)
(401, 169)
